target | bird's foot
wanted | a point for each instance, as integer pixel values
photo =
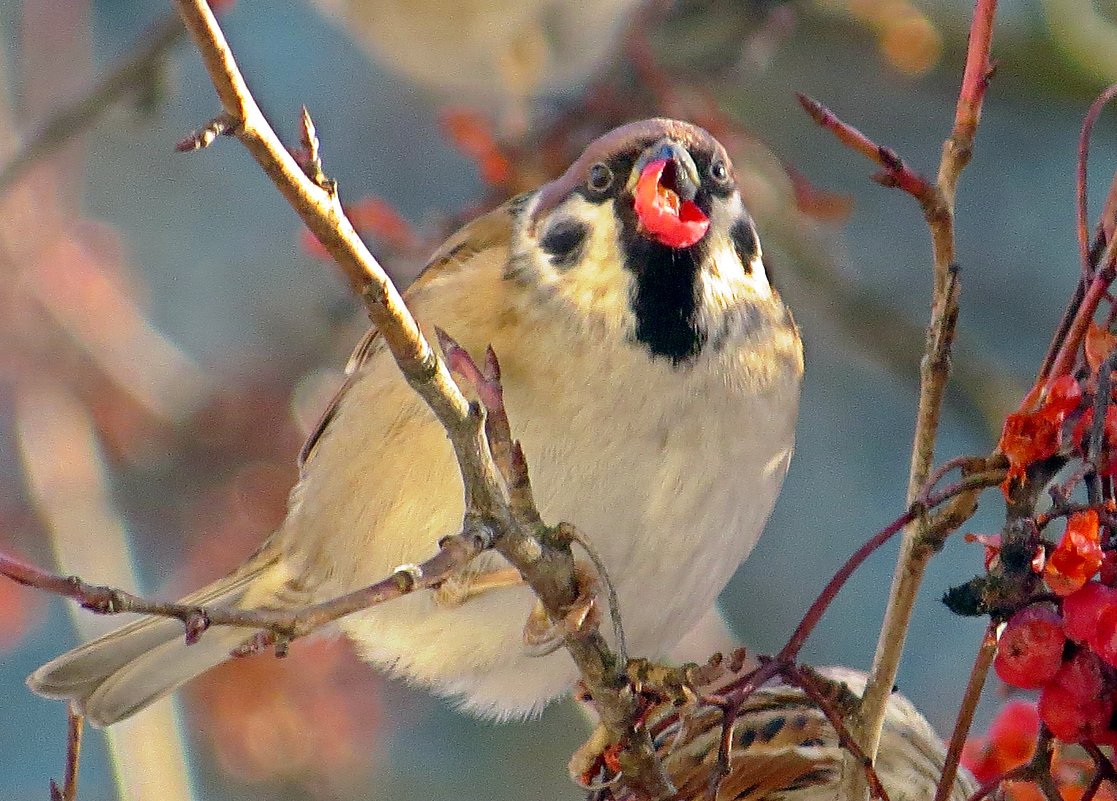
(456, 590)
(594, 759)
(542, 635)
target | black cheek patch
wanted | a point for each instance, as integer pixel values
(564, 242)
(745, 242)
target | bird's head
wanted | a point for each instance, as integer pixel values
(647, 231)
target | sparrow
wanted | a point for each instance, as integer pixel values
(651, 374)
(784, 748)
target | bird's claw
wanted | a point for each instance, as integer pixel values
(542, 635)
(594, 758)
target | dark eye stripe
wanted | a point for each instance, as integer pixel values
(564, 242)
(744, 241)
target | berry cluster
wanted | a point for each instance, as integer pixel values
(1011, 743)
(1038, 431)
(1067, 648)
(1064, 642)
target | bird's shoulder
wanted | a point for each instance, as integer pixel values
(476, 254)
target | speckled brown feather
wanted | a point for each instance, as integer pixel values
(784, 749)
(489, 231)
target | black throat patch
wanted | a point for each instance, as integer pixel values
(665, 301)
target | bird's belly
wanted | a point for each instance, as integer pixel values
(672, 503)
(671, 481)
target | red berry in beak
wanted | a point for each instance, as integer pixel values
(661, 214)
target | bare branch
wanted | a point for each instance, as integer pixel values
(545, 562)
(69, 789)
(1082, 224)
(817, 689)
(285, 624)
(938, 210)
(74, 118)
(895, 174)
(966, 713)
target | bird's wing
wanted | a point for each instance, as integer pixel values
(781, 743)
(481, 240)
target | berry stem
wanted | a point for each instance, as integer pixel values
(966, 712)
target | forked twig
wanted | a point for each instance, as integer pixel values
(937, 202)
(454, 553)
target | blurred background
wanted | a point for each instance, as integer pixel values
(168, 332)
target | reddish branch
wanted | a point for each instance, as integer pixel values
(816, 689)
(966, 712)
(69, 789)
(285, 624)
(1081, 213)
(937, 203)
(1099, 267)
(896, 173)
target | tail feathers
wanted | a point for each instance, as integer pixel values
(120, 673)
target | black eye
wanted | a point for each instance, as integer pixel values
(601, 177)
(719, 172)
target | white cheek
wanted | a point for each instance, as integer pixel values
(728, 279)
(599, 284)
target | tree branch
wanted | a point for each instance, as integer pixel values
(962, 725)
(937, 203)
(543, 557)
(73, 118)
(283, 624)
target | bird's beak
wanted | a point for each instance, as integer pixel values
(666, 183)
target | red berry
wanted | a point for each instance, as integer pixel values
(1030, 650)
(1077, 557)
(1073, 719)
(1107, 575)
(1104, 640)
(1011, 742)
(1063, 397)
(1077, 704)
(1082, 609)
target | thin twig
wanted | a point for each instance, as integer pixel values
(915, 551)
(966, 464)
(895, 174)
(1081, 196)
(547, 566)
(1103, 770)
(454, 553)
(509, 458)
(1099, 409)
(811, 684)
(724, 761)
(1067, 353)
(966, 712)
(790, 652)
(73, 118)
(937, 202)
(75, 725)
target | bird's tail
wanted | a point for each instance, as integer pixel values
(120, 673)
